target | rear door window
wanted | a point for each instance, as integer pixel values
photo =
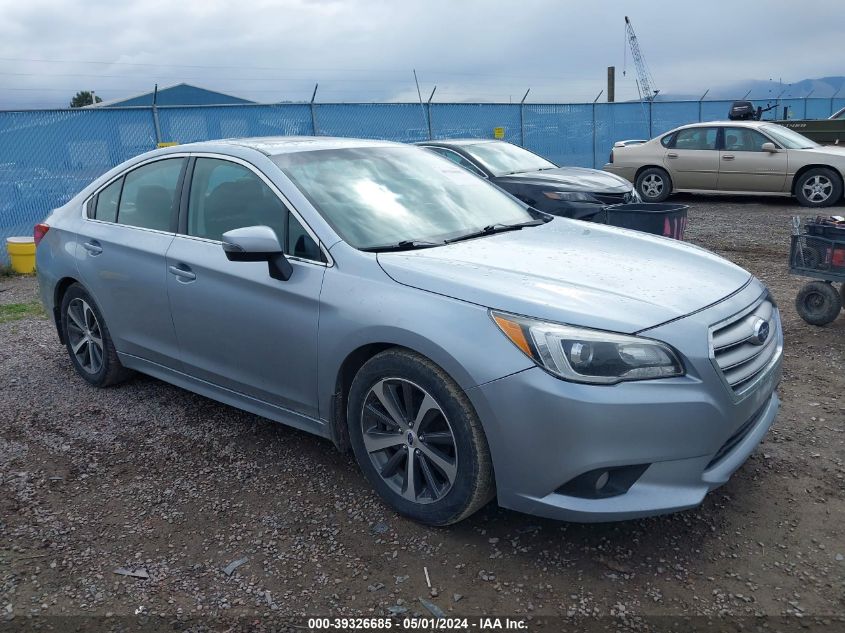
(697, 138)
(742, 139)
(150, 195)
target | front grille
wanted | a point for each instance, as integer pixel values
(737, 350)
(612, 198)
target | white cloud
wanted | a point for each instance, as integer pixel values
(364, 50)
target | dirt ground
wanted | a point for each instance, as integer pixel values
(168, 484)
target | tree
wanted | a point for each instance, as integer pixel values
(83, 98)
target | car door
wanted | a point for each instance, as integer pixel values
(237, 327)
(121, 250)
(744, 166)
(693, 159)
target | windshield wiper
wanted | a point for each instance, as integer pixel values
(404, 245)
(498, 228)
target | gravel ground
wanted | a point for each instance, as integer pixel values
(175, 487)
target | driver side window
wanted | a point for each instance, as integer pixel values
(225, 196)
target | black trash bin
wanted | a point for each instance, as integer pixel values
(668, 220)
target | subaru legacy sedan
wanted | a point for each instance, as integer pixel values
(461, 343)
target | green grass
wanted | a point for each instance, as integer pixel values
(18, 311)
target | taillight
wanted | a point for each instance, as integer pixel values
(40, 231)
(610, 160)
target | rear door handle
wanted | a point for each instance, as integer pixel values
(93, 247)
(182, 273)
(728, 157)
(671, 155)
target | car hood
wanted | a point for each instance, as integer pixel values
(569, 179)
(573, 272)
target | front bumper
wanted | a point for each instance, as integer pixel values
(691, 432)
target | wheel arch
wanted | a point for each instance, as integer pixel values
(651, 166)
(804, 169)
(346, 373)
(58, 295)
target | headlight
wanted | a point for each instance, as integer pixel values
(633, 197)
(589, 356)
(570, 196)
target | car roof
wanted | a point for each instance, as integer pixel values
(458, 142)
(275, 145)
(749, 124)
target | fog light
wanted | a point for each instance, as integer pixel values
(602, 480)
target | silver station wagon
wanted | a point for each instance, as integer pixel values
(462, 344)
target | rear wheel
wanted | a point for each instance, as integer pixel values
(88, 341)
(818, 187)
(654, 184)
(418, 440)
(818, 303)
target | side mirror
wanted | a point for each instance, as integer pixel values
(769, 147)
(257, 244)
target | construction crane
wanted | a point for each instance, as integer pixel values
(645, 83)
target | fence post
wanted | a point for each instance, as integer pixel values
(428, 105)
(314, 111)
(594, 136)
(650, 116)
(522, 118)
(155, 115)
(156, 124)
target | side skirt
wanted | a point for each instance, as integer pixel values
(227, 396)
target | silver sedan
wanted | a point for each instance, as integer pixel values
(462, 344)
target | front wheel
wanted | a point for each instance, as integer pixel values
(818, 187)
(654, 184)
(818, 303)
(418, 440)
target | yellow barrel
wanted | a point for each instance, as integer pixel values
(21, 254)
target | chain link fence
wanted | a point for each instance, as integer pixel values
(46, 156)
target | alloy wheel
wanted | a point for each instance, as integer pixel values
(817, 189)
(85, 336)
(409, 440)
(652, 186)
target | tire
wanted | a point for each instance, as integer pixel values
(452, 474)
(818, 303)
(818, 187)
(654, 184)
(82, 327)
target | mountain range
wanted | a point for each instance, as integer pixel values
(761, 90)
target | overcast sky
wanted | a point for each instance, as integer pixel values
(365, 50)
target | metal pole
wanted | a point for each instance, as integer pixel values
(522, 118)
(598, 96)
(155, 115)
(650, 116)
(746, 95)
(419, 94)
(594, 133)
(314, 111)
(428, 103)
(832, 105)
(611, 84)
(700, 107)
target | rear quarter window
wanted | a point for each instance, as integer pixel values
(666, 141)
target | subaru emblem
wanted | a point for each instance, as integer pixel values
(761, 332)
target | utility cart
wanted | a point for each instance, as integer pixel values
(818, 251)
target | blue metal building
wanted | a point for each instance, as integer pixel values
(177, 95)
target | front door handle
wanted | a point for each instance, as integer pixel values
(182, 273)
(671, 155)
(728, 157)
(93, 247)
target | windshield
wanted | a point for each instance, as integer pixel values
(378, 196)
(788, 138)
(502, 159)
